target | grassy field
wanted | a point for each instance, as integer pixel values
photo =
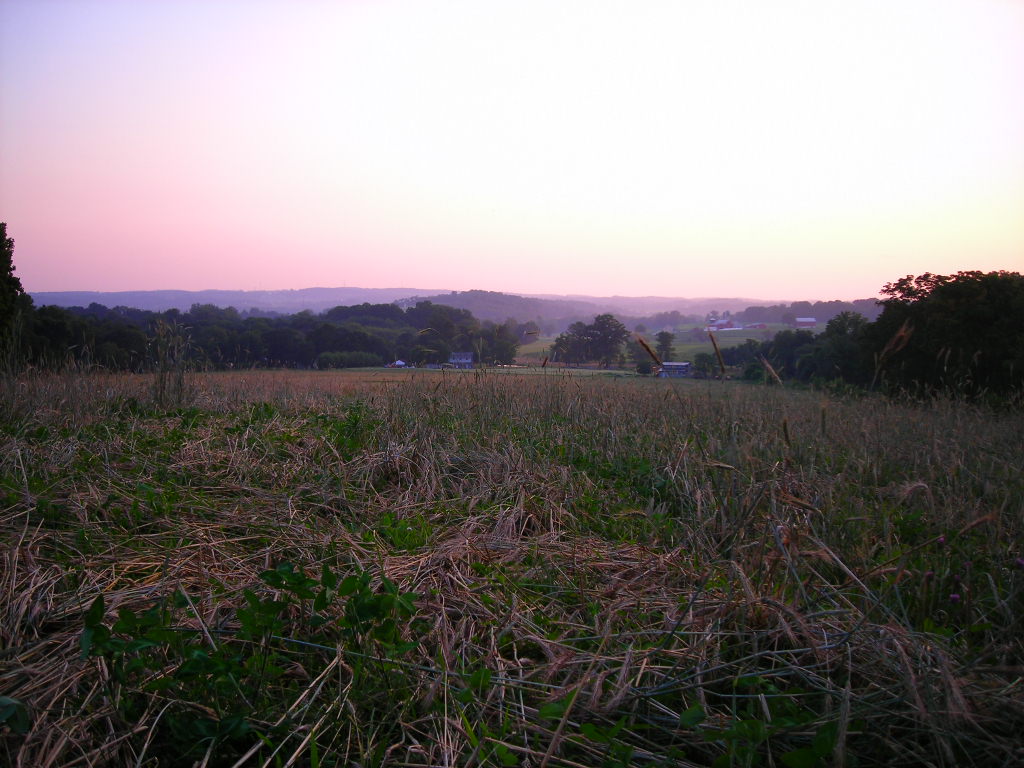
(464, 569)
(535, 351)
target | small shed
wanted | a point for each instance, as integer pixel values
(463, 360)
(674, 370)
(806, 322)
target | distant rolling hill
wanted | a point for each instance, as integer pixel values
(552, 312)
(486, 305)
(490, 305)
(285, 302)
(649, 305)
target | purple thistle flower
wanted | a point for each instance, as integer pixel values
(954, 598)
(1019, 562)
(941, 540)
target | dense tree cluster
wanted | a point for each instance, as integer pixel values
(837, 354)
(123, 338)
(961, 334)
(823, 311)
(664, 320)
(369, 334)
(600, 341)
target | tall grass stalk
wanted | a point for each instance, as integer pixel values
(170, 348)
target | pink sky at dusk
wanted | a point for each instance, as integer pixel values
(796, 149)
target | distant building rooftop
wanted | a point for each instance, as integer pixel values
(461, 359)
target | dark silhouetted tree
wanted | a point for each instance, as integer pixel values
(499, 343)
(607, 337)
(601, 340)
(843, 351)
(663, 344)
(966, 333)
(13, 299)
(573, 346)
(787, 349)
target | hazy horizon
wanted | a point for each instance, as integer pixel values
(803, 148)
(440, 291)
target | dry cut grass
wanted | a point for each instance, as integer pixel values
(594, 572)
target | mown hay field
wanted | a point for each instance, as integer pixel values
(467, 569)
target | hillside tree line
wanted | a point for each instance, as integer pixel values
(961, 333)
(366, 335)
(122, 338)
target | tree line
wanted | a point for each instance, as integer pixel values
(961, 333)
(957, 334)
(123, 338)
(823, 311)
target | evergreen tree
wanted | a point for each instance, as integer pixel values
(663, 346)
(13, 298)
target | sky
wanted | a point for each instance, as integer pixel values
(792, 149)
